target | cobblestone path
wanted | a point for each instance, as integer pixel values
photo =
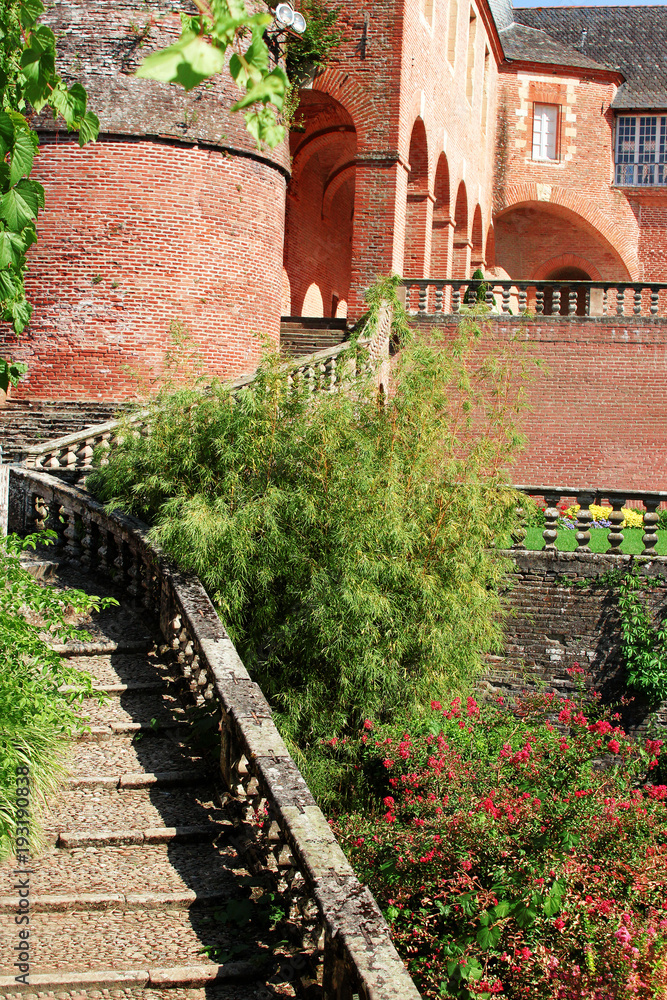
(142, 890)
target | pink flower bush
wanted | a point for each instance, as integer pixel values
(513, 859)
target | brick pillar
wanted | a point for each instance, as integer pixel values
(461, 258)
(418, 232)
(378, 236)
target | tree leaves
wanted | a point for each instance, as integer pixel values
(188, 61)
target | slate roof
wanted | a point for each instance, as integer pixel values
(632, 39)
(520, 41)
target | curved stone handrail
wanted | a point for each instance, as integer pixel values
(74, 452)
(359, 957)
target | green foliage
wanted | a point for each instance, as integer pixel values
(201, 52)
(37, 716)
(345, 542)
(314, 48)
(28, 80)
(644, 642)
(476, 295)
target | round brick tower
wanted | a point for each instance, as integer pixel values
(172, 221)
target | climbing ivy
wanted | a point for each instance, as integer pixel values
(643, 641)
(28, 84)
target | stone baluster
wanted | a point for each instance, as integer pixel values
(456, 299)
(51, 461)
(489, 299)
(40, 512)
(555, 300)
(56, 522)
(103, 552)
(105, 446)
(551, 515)
(507, 292)
(518, 533)
(637, 307)
(423, 297)
(84, 456)
(655, 298)
(650, 536)
(587, 302)
(134, 588)
(572, 301)
(438, 298)
(73, 534)
(87, 541)
(604, 301)
(120, 562)
(615, 536)
(523, 298)
(539, 299)
(69, 457)
(620, 300)
(584, 518)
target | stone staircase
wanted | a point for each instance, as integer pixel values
(147, 887)
(300, 335)
(25, 422)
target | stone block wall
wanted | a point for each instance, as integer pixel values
(559, 615)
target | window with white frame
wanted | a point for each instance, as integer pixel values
(545, 131)
(641, 150)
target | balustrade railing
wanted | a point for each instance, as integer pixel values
(431, 296)
(339, 914)
(614, 499)
(73, 454)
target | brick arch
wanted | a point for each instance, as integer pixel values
(365, 114)
(342, 175)
(461, 259)
(441, 226)
(575, 202)
(567, 260)
(490, 248)
(415, 258)
(477, 238)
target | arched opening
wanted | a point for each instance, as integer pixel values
(490, 253)
(415, 262)
(477, 250)
(534, 239)
(285, 294)
(320, 206)
(566, 274)
(441, 228)
(461, 257)
(313, 304)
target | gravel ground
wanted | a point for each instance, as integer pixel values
(128, 755)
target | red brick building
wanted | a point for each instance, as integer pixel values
(444, 135)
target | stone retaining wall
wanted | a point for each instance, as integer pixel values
(559, 615)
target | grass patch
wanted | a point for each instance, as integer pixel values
(567, 541)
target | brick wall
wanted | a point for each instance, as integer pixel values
(552, 623)
(135, 236)
(598, 414)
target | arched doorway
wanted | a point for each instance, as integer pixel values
(415, 255)
(566, 274)
(320, 206)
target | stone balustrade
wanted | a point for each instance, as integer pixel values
(339, 913)
(616, 499)
(429, 297)
(72, 455)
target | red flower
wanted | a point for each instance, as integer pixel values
(388, 763)
(614, 746)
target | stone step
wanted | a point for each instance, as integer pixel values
(122, 754)
(133, 707)
(115, 667)
(127, 939)
(156, 984)
(139, 779)
(26, 422)
(89, 811)
(173, 866)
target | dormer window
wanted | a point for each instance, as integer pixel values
(641, 150)
(545, 131)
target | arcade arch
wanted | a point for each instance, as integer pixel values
(442, 231)
(416, 254)
(461, 255)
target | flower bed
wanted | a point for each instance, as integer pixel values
(515, 854)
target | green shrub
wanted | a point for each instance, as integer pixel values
(345, 541)
(37, 717)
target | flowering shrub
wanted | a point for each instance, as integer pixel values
(632, 518)
(516, 855)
